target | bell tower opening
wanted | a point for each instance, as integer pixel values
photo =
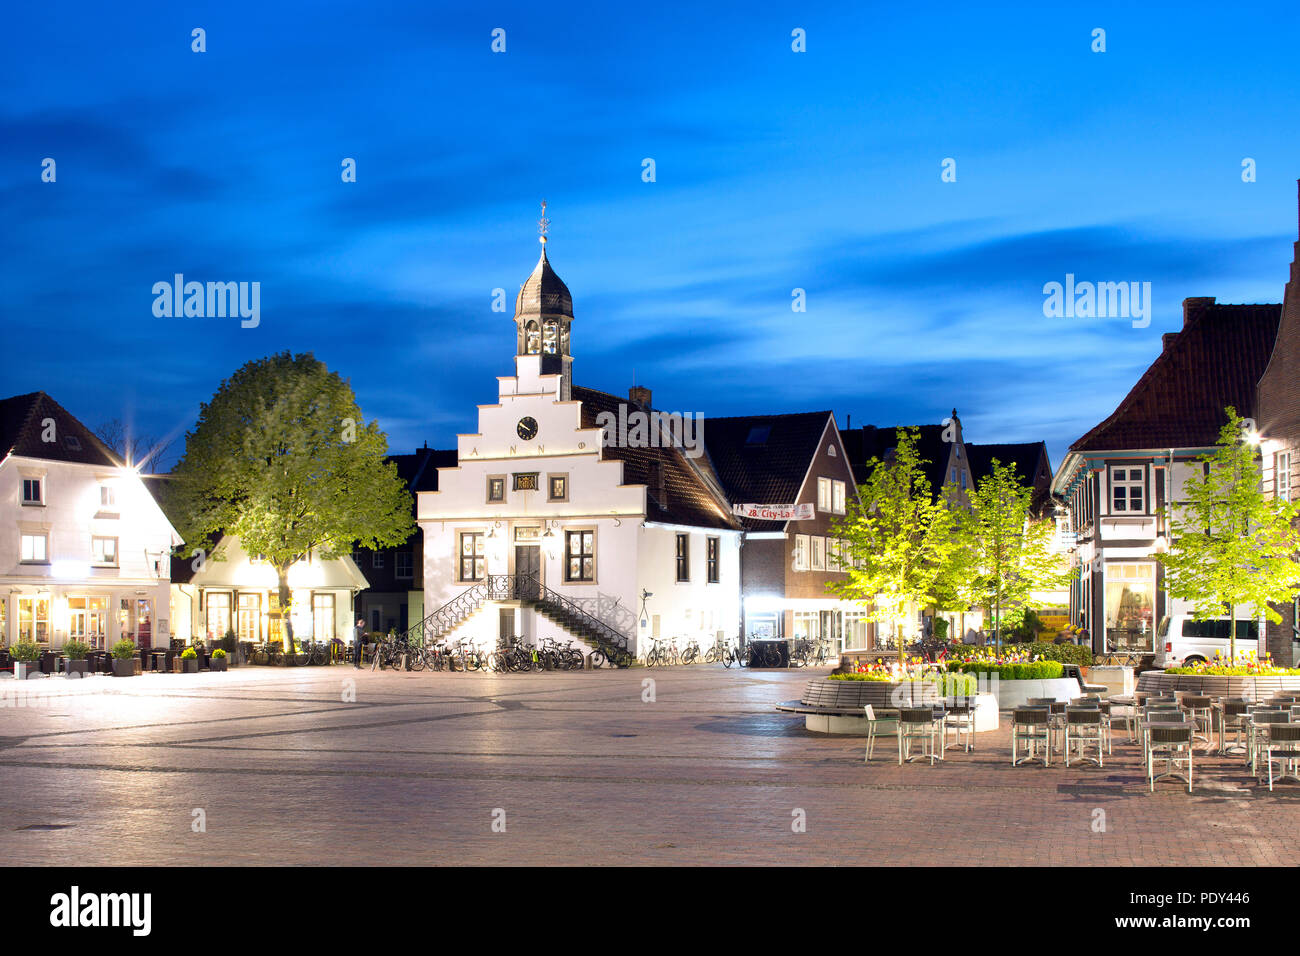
(543, 315)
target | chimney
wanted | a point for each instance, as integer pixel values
(640, 395)
(1193, 304)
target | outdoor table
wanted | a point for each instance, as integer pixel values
(158, 659)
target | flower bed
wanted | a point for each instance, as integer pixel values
(1032, 670)
(1246, 665)
(949, 684)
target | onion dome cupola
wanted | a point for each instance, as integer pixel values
(543, 315)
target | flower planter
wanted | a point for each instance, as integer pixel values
(76, 667)
(25, 670)
(190, 665)
(217, 663)
(124, 668)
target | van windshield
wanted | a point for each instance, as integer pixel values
(1163, 630)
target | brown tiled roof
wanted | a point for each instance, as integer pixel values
(762, 459)
(1215, 361)
(23, 430)
(677, 489)
(1025, 457)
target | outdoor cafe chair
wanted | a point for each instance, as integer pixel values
(920, 725)
(1233, 714)
(1159, 716)
(1173, 746)
(873, 719)
(1282, 749)
(1084, 729)
(1261, 719)
(959, 717)
(1197, 707)
(1055, 718)
(1031, 726)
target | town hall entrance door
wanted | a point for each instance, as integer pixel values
(528, 565)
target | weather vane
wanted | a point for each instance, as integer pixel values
(543, 224)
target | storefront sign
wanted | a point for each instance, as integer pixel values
(802, 512)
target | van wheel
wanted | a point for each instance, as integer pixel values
(1194, 659)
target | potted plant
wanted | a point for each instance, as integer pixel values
(74, 657)
(25, 655)
(123, 658)
(218, 660)
(230, 644)
(190, 661)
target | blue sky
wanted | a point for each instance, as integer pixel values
(775, 170)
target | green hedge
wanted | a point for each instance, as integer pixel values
(1065, 653)
(1038, 670)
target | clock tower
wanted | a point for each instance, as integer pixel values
(543, 315)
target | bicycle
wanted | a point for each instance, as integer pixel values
(734, 655)
(692, 651)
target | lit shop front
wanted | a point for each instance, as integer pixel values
(846, 626)
(51, 618)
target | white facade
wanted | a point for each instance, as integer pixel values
(605, 573)
(83, 554)
(241, 593)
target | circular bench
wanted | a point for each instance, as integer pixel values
(1250, 688)
(839, 706)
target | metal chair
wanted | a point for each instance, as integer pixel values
(1233, 713)
(918, 724)
(1259, 718)
(1197, 707)
(1083, 727)
(1031, 726)
(1282, 748)
(959, 717)
(872, 720)
(1174, 746)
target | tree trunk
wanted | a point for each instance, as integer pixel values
(1232, 635)
(286, 616)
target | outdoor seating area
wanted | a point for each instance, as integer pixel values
(1180, 736)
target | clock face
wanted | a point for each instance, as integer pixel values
(527, 428)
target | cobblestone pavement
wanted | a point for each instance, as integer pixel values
(280, 768)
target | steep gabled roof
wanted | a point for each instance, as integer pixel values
(24, 427)
(678, 490)
(1215, 361)
(420, 470)
(1025, 457)
(871, 441)
(763, 458)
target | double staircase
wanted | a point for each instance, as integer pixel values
(526, 589)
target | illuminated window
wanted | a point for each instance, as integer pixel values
(711, 548)
(473, 562)
(579, 556)
(35, 548)
(218, 615)
(322, 616)
(823, 494)
(683, 557)
(837, 497)
(34, 619)
(104, 551)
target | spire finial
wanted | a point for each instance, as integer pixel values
(542, 225)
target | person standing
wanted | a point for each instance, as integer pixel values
(358, 639)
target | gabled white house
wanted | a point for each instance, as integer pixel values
(242, 593)
(551, 526)
(83, 545)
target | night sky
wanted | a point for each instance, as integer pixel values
(775, 170)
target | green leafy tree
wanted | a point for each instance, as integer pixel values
(899, 538)
(282, 458)
(1231, 545)
(1003, 556)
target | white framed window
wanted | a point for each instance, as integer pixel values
(35, 549)
(1282, 475)
(103, 550)
(823, 494)
(322, 617)
(377, 559)
(1127, 487)
(34, 619)
(107, 497)
(818, 553)
(833, 554)
(402, 564)
(801, 552)
(33, 491)
(473, 556)
(837, 497)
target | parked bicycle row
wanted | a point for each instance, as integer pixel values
(805, 653)
(511, 655)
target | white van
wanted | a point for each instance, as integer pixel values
(1181, 639)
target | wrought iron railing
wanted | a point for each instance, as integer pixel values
(510, 587)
